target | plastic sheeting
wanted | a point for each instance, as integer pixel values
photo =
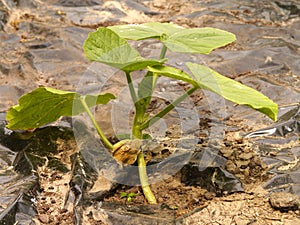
(279, 145)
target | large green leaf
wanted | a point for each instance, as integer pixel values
(145, 30)
(233, 90)
(177, 38)
(229, 89)
(45, 105)
(173, 73)
(105, 46)
(198, 40)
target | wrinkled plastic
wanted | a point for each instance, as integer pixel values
(287, 123)
(17, 191)
(91, 162)
(20, 155)
(279, 146)
(213, 179)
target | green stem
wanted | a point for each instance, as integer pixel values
(155, 78)
(143, 170)
(131, 88)
(144, 179)
(101, 134)
(137, 133)
(167, 109)
(163, 52)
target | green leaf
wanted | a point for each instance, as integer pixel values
(123, 194)
(45, 105)
(145, 30)
(198, 40)
(107, 47)
(233, 90)
(173, 73)
(177, 38)
(132, 194)
(229, 89)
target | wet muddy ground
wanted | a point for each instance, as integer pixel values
(53, 176)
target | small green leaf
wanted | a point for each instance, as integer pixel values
(123, 195)
(145, 30)
(131, 194)
(45, 105)
(128, 196)
(198, 40)
(233, 90)
(107, 47)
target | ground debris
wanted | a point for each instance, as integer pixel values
(52, 203)
(284, 201)
(243, 208)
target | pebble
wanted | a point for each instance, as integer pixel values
(246, 156)
(44, 218)
(209, 195)
(284, 201)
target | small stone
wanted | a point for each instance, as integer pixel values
(160, 200)
(247, 172)
(226, 152)
(209, 195)
(101, 185)
(242, 163)
(44, 218)
(231, 167)
(246, 156)
(284, 201)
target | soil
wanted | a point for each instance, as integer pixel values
(189, 204)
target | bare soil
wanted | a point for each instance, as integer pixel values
(190, 203)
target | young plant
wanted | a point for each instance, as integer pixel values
(109, 45)
(128, 196)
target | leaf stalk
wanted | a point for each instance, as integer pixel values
(167, 109)
(99, 131)
(131, 87)
(163, 52)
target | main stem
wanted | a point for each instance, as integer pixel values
(101, 134)
(143, 171)
(137, 133)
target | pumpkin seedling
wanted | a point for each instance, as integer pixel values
(128, 196)
(109, 45)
